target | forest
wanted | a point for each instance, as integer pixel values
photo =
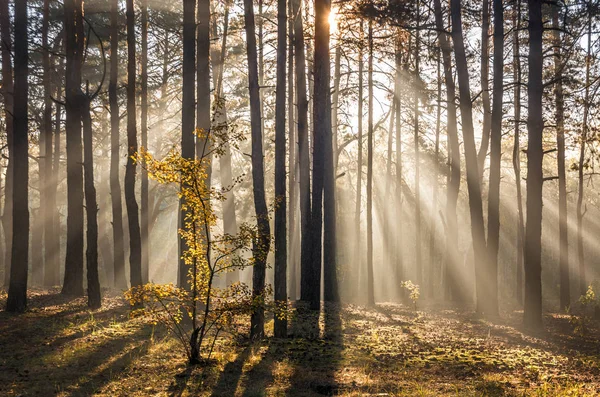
(299, 198)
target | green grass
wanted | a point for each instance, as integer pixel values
(60, 348)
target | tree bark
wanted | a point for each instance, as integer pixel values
(416, 92)
(359, 160)
(452, 275)
(135, 248)
(493, 237)
(485, 85)
(532, 314)
(280, 326)
(7, 94)
(473, 175)
(144, 137)
(91, 208)
(370, 278)
(119, 280)
(293, 237)
(187, 115)
(17, 290)
(565, 287)
(262, 241)
(73, 280)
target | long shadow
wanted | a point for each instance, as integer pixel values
(260, 376)
(230, 376)
(316, 361)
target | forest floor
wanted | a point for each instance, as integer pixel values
(58, 347)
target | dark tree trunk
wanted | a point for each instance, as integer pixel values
(263, 238)
(493, 238)
(7, 94)
(359, 161)
(416, 89)
(532, 314)
(280, 327)
(370, 278)
(17, 290)
(485, 85)
(119, 281)
(135, 248)
(516, 155)
(330, 282)
(452, 280)
(91, 209)
(583, 142)
(434, 182)
(203, 76)
(144, 137)
(473, 175)
(398, 254)
(303, 153)
(187, 113)
(565, 287)
(293, 237)
(73, 281)
(48, 182)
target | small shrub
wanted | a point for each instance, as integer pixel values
(413, 291)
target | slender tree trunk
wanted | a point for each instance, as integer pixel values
(55, 174)
(48, 198)
(7, 94)
(485, 85)
(416, 92)
(91, 208)
(532, 314)
(493, 239)
(584, 138)
(293, 240)
(565, 287)
(187, 115)
(303, 153)
(473, 175)
(516, 155)
(135, 248)
(144, 136)
(434, 178)
(119, 281)
(359, 162)
(370, 277)
(452, 276)
(330, 281)
(203, 77)
(280, 194)
(73, 281)
(263, 238)
(399, 255)
(17, 290)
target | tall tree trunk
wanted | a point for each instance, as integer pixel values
(398, 254)
(473, 175)
(330, 281)
(532, 314)
(584, 139)
(565, 282)
(119, 281)
(359, 161)
(144, 136)
(263, 238)
(452, 280)
(293, 240)
(91, 208)
(47, 185)
(416, 92)
(485, 85)
(434, 178)
(187, 115)
(280, 327)
(221, 123)
(493, 239)
(7, 94)
(55, 175)
(135, 248)
(516, 155)
(303, 153)
(370, 277)
(203, 76)
(73, 281)
(17, 289)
